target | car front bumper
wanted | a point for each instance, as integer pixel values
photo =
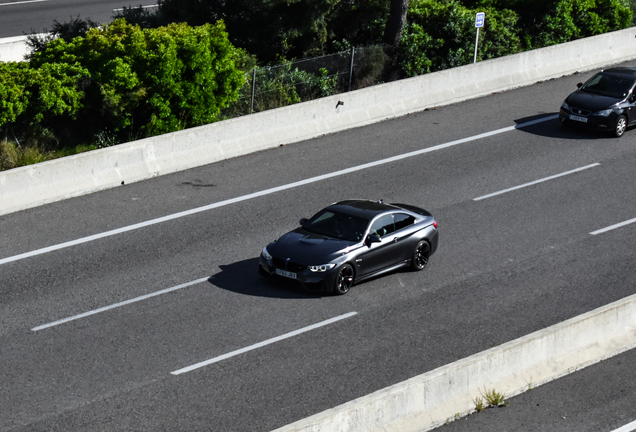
(305, 278)
(602, 123)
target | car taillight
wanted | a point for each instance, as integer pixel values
(435, 224)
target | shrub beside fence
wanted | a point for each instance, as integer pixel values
(302, 80)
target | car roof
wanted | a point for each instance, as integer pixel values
(625, 71)
(366, 209)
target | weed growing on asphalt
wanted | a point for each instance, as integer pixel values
(530, 384)
(479, 404)
(494, 398)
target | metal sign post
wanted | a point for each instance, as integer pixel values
(479, 22)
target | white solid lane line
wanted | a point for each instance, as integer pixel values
(612, 227)
(262, 344)
(22, 2)
(627, 428)
(268, 191)
(120, 304)
(134, 7)
(536, 182)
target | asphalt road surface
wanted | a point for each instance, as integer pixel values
(20, 17)
(111, 333)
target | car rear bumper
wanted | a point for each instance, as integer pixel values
(434, 240)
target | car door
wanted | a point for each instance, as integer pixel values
(404, 230)
(383, 254)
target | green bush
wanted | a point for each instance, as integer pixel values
(441, 35)
(279, 86)
(147, 82)
(549, 22)
(38, 95)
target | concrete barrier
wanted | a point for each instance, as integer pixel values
(429, 400)
(30, 186)
(13, 48)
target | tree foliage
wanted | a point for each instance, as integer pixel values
(547, 22)
(357, 23)
(65, 30)
(441, 35)
(145, 82)
(39, 96)
(279, 29)
(275, 30)
(268, 29)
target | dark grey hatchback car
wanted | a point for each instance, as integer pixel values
(350, 241)
(605, 102)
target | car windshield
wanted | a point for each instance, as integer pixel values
(609, 85)
(338, 225)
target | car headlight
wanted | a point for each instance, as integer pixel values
(603, 113)
(266, 254)
(322, 267)
(565, 106)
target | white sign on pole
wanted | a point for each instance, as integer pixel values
(479, 22)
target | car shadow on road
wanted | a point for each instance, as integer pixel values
(554, 129)
(242, 277)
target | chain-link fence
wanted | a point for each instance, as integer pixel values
(302, 80)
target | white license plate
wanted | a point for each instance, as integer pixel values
(577, 118)
(286, 274)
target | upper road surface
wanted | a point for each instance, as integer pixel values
(20, 17)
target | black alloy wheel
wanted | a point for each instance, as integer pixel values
(621, 126)
(344, 280)
(421, 255)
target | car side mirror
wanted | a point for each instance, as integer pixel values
(579, 85)
(303, 221)
(373, 238)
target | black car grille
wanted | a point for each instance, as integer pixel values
(580, 111)
(288, 265)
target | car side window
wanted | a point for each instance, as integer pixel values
(402, 220)
(383, 226)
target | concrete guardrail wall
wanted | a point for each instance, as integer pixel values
(429, 400)
(13, 48)
(34, 185)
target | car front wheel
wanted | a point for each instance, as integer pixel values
(344, 280)
(621, 126)
(421, 255)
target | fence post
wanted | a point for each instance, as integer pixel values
(15, 138)
(353, 50)
(253, 86)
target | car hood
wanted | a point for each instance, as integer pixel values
(591, 101)
(308, 248)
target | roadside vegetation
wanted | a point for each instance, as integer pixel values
(189, 62)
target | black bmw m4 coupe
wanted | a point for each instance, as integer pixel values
(350, 241)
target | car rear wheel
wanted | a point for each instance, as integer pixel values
(421, 255)
(344, 280)
(621, 126)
